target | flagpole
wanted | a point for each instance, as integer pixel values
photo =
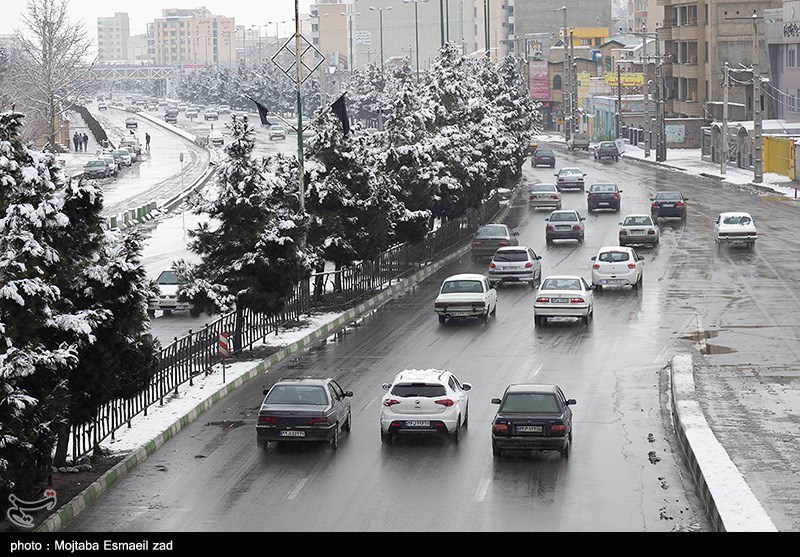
(300, 170)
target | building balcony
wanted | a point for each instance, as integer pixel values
(688, 71)
(685, 33)
(690, 108)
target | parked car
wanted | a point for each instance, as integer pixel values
(603, 196)
(545, 196)
(131, 142)
(216, 138)
(638, 229)
(424, 401)
(515, 264)
(489, 237)
(532, 417)
(606, 150)
(134, 156)
(191, 113)
(96, 169)
(304, 409)
(617, 266)
(570, 177)
(224, 109)
(102, 105)
(564, 224)
(122, 156)
(117, 104)
(543, 156)
(112, 163)
(735, 228)
(466, 295)
(210, 114)
(563, 296)
(277, 132)
(182, 107)
(668, 204)
(578, 142)
(167, 299)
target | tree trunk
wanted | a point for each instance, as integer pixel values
(62, 444)
(238, 326)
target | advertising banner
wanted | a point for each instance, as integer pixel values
(538, 80)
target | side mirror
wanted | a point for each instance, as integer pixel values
(594, 257)
(386, 386)
(641, 258)
(620, 223)
(516, 233)
(466, 386)
(495, 401)
(265, 391)
(555, 174)
(538, 257)
(585, 174)
(619, 191)
(547, 219)
(348, 393)
(571, 401)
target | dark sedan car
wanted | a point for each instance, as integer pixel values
(306, 409)
(96, 169)
(543, 157)
(603, 196)
(668, 204)
(532, 418)
(489, 237)
(606, 150)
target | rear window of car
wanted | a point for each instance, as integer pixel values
(530, 403)
(545, 187)
(561, 284)
(515, 255)
(453, 286)
(569, 171)
(491, 232)
(563, 217)
(603, 188)
(544, 152)
(405, 390)
(668, 196)
(297, 394)
(613, 256)
(638, 221)
(607, 145)
(738, 219)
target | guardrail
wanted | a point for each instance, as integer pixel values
(196, 353)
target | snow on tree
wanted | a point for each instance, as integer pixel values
(251, 248)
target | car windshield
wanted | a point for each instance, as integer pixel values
(604, 188)
(530, 403)
(562, 217)
(613, 256)
(491, 232)
(511, 255)
(737, 219)
(168, 277)
(638, 220)
(297, 394)
(405, 390)
(453, 286)
(544, 187)
(561, 284)
(668, 196)
(607, 145)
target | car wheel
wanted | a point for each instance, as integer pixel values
(542, 320)
(552, 165)
(598, 287)
(335, 438)
(585, 319)
(264, 445)
(635, 285)
(494, 310)
(348, 422)
(386, 437)
(566, 450)
(549, 241)
(442, 319)
(580, 240)
(456, 435)
(466, 417)
(496, 453)
(558, 207)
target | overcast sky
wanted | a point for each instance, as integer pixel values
(140, 12)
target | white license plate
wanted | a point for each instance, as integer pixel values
(613, 281)
(559, 300)
(292, 433)
(529, 429)
(418, 423)
(561, 227)
(667, 205)
(603, 203)
(637, 231)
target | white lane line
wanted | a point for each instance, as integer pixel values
(483, 487)
(538, 369)
(297, 487)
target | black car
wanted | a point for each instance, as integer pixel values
(606, 150)
(489, 237)
(543, 156)
(668, 204)
(304, 409)
(603, 196)
(532, 418)
(96, 169)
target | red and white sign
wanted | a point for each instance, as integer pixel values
(539, 80)
(224, 345)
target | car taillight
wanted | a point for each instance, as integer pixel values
(503, 243)
(590, 196)
(679, 204)
(623, 232)
(616, 196)
(631, 265)
(542, 300)
(576, 300)
(561, 179)
(576, 227)
(390, 401)
(500, 428)
(476, 243)
(312, 421)
(267, 420)
(492, 265)
(655, 205)
(549, 227)
(596, 266)
(651, 232)
(553, 197)
(528, 265)
(559, 429)
(446, 402)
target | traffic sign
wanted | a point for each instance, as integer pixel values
(364, 37)
(224, 345)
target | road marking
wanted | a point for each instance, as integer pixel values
(297, 487)
(538, 369)
(483, 487)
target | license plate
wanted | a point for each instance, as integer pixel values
(613, 281)
(603, 203)
(562, 227)
(637, 231)
(418, 423)
(292, 433)
(459, 313)
(559, 300)
(529, 429)
(668, 205)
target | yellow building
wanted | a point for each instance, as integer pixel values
(586, 36)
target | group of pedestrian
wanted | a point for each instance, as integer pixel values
(80, 141)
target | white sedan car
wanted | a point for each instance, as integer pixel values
(466, 295)
(617, 266)
(735, 229)
(638, 229)
(563, 296)
(428, 401)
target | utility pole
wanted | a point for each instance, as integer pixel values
(645, 87)
(619, 100)
(661, 113)
(758, 172)
(573, 90)
(565, 87)
(726, 83)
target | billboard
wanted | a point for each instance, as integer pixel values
(538, 80)
(629, 79)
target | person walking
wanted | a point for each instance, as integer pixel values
(85, 142)
(147, 142)
(75, 140)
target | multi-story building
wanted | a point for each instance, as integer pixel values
(782, 33)
(547, 16)
(194, 38)
(644, 15)
(112, 37)
(701, 36)
(137, 48)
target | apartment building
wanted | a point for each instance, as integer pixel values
(112, 37)
(194, 38)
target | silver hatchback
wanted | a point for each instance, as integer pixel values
(515, 264)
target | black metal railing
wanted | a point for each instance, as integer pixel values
(197, 352)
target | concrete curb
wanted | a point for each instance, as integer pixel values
(729, 500)
(68, 512)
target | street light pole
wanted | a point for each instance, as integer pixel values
(565, 86)
(352, 54)
(757, 162)
(416, 28)
(383, 77)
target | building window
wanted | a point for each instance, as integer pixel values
(706, 59)
(556, 82)
(791, 56)
(706, 90)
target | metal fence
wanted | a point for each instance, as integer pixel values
(197, 352)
